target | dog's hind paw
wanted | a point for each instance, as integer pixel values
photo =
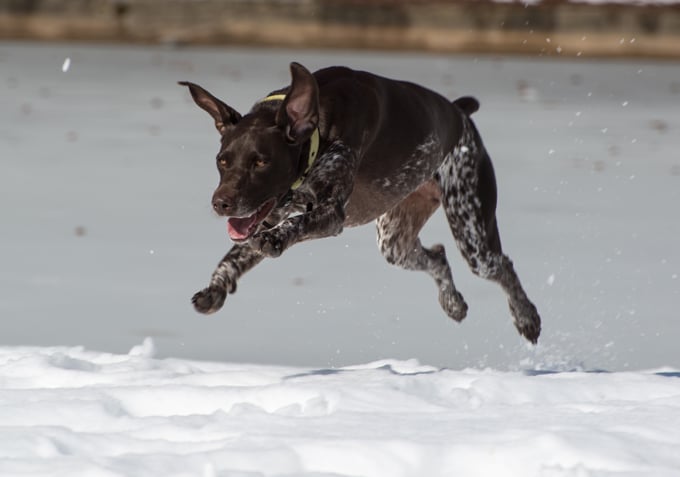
(210, 299)
(527, 320)
(453, 304)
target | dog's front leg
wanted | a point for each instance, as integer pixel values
(330, 183)
(325, 220)
(239, 259)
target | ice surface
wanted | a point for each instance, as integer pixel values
(107, 173)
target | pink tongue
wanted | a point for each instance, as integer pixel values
(239, 228)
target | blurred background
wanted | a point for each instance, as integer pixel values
(107, 169)
(533, 27)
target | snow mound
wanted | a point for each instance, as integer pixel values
(73, 412)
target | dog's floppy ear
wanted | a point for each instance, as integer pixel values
(223, 115)
(299, 113)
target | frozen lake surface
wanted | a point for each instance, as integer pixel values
(106, 173)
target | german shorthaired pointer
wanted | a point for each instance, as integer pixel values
(340, 148)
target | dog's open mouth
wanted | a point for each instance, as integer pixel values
(242, 228)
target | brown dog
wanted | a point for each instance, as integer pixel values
(341, 148)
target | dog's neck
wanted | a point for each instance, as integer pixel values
(313, 149)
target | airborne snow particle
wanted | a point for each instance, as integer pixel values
(66, 65)
(551, 280)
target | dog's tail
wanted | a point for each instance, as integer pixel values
(467, 104)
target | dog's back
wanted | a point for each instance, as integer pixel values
(400, 131)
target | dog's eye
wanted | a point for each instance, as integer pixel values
(222, 162)
(260, 163)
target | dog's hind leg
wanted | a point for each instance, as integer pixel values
(468, 185)
(399, 243)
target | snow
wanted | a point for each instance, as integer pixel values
(73, 412)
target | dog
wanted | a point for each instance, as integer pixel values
(342, 148)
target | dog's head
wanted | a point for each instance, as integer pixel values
(260, 156)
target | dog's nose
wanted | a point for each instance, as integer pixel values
(222, 205)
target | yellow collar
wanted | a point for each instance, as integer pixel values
(273, 97)
(313, 150)
(313, 144)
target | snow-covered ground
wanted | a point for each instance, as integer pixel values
(105, 180)
(71, 412)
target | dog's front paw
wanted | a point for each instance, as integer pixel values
(270, 243)
(210, 299)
